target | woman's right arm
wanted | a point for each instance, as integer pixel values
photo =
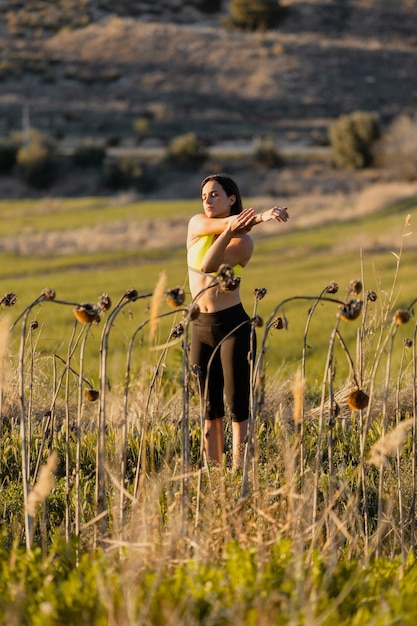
(200, 225)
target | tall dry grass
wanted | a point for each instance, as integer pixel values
(335, 473)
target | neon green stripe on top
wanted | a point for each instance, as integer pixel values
(197, 251)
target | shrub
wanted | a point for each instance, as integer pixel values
(37, 161)
(141, 128)
(266, 153)
(89, 154)
(399, 147)
(210, 6)
(187, 151)
(126, 173)
(8, 154)
(254, 14)
(352, 138)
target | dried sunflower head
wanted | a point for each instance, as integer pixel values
(177, 331)
(9, 299)
(357, 400)
(91, 395)
(104, 303)
(87, 313)
(402, 316)
(176, 297)
(371, 296)
(259, 293)
(355, 287)
(332, 287)
(350, 310)
(279, 323)
(257, 321)
(130, 294)
(227, 279)
(48, 293)
(192, 312)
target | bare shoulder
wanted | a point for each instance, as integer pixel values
(194, 230)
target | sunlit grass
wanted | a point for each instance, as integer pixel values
(311, 488)
(288, 263)
(61, 214)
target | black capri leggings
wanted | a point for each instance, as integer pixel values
(229, 370)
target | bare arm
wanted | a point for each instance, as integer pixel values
(200, 224)
(232, 246)
(227, 248)
(276, 213)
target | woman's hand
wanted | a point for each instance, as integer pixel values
(276, 213)
(242, 222)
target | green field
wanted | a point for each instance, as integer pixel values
(290, 264)
(323, 532)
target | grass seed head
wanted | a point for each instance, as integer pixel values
(156, 304)
(357, 400)
(402, 316)
(4, 351)
(44, 484)
(298, 389)
(389, 443)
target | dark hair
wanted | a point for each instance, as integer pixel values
(230, 188)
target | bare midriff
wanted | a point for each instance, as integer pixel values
(211, 299)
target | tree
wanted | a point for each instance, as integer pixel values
(255, 14)
(353, 137)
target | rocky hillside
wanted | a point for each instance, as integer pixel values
(177, 64)
(85, 68)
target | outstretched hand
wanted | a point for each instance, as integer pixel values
(280, 214)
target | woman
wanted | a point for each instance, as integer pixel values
(220, 236)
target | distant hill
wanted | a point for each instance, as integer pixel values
(92, 69)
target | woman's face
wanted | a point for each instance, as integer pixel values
(216, 203)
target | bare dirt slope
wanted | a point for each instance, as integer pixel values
(326, 58)
(184, 71)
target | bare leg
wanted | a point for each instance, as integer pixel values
(214, 439)
(239, 436)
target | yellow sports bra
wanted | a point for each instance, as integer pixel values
(197, 251)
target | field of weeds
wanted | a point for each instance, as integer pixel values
(111, 513)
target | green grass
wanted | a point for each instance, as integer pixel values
(63, 214)
(290, 264)
(194, 551)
